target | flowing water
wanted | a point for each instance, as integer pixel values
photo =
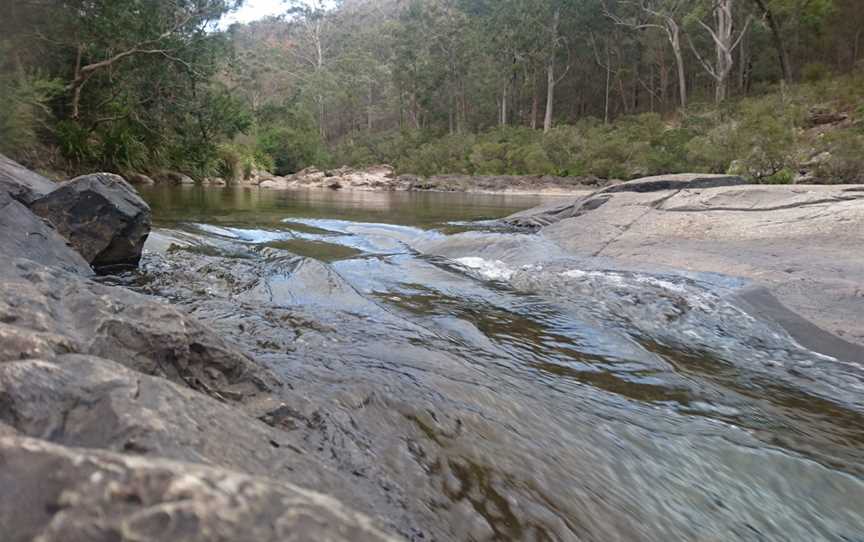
(479, 384)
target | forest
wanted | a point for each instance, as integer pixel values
(608, 88)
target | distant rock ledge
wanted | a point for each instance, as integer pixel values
(383, 178)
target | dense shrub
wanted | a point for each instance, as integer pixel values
(23, 109)
(844, 161)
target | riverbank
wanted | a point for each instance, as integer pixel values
(383, 178)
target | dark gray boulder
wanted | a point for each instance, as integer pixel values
(24, 234)
(21, 184)
(54, 493)
(102, 216)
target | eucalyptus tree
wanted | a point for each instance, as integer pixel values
(725, 37)
(665, 15)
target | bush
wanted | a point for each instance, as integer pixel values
(449, 154)
(759, 142)
(845, 159)
(75, 142)
(292, 149)
(489, 158)
(815, 71)
(23, 109)
(121, 147)
(784, 176)
(564, 146)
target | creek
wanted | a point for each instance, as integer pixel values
(489, 386)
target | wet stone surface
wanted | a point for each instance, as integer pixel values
(512, 392)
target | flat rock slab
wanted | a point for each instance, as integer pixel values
(802, 242)
(675, 182)
(102, 216)
(55, 493)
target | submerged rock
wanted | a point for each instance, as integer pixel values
(102, 216)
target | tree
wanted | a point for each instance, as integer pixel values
(777, 36)
(725, 43)
(664, 16)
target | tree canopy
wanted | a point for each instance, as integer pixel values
(144, 85)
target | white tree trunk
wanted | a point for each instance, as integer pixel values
(550, 73)
(675, 39)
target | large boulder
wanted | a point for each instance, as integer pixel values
(21, 184)
(23, 234)
(53, 493)
(102, 216)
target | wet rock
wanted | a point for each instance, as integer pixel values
(91, 402)
(71, 495)
(268, 184)
(21, 184)
(759, 232)
(102, 217)
(175, 177)
(47, 312)
(23, 233)
(139, 178)
(214, 181)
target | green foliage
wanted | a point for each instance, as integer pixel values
(292, 149)
(122, 147)
(75, 142)
(758, 140)
(784, 176)
(815, 71)
(564, 145)
(449, 154)
(844, 163)
(23, 110)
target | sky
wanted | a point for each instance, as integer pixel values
(253, 10)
